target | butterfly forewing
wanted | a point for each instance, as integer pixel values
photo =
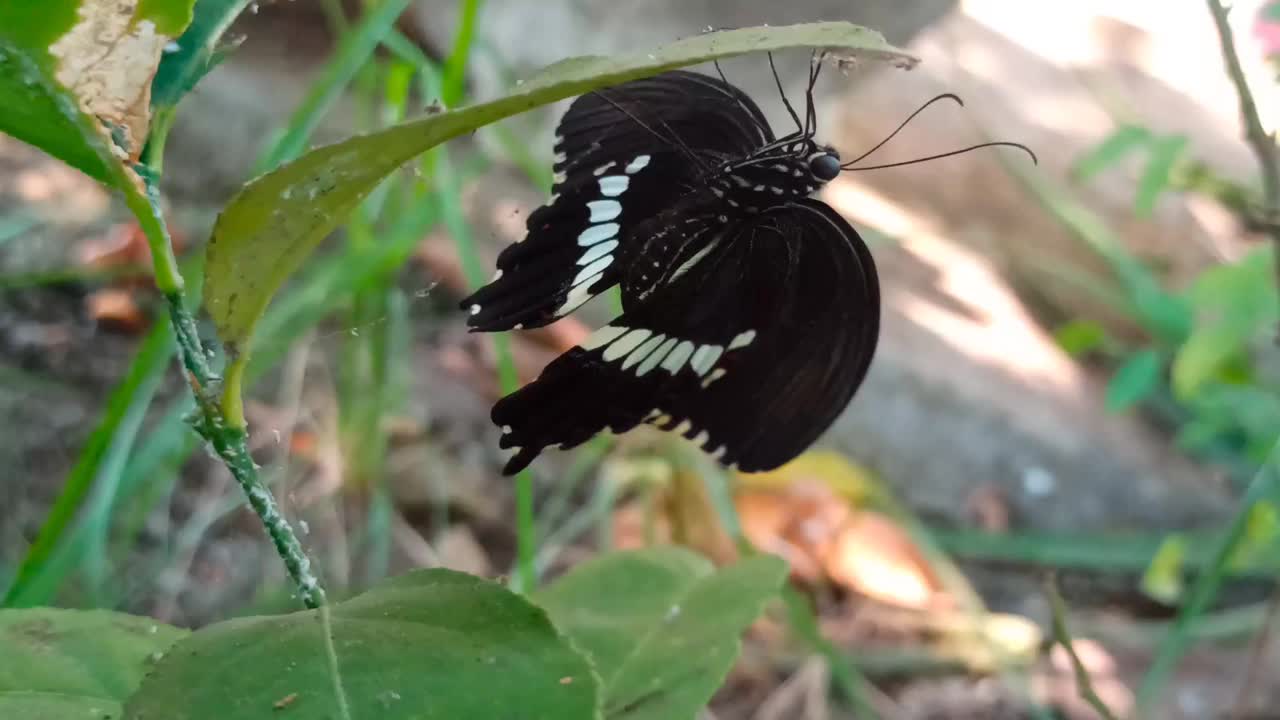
(751, 352)
(624, 155)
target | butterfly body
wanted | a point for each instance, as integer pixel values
(750, 310)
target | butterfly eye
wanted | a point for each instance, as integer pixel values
(825, 166)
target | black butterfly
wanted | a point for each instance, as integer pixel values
(750, 310)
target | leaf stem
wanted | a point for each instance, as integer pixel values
(1260, 141)
(1062, 636)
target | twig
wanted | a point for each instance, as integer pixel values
(1261, 142)
(1084, 685)
(1256, 660)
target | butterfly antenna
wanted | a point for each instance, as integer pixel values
(944, 96)
(738, 99)
(672, 140)
(778, 81)
(961, 151)
(811, 112)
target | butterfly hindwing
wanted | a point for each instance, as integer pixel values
(623, 155)
(751, 352)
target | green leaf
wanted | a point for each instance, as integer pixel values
(1163, 577)
(1164, 152)
(1233, 303)
(1124, 140)
(431, 644)
(54, 57)
(278, 219)
(196, 52)
(1136, 379)
(75, 663)
(1080, 336)
(661, 625)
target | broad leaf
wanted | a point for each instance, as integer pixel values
(75, 663)
(661, 625)
(1233, 303)
(276, 220)
(75, 76)
(429, 645)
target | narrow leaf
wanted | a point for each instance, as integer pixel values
(1165, 153)
(1134, 381)
(1125, 139)
(276, 221)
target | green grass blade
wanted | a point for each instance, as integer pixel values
(1265, 486)
(31, 586)
(455, 67)
(353, 53)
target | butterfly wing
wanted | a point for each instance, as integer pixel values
(623, 155)
(752, 352)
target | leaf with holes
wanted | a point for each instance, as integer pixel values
(429, 644)
(75, 663)
(661, 625)
(276, 221)
(75, 77)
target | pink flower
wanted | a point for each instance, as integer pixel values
(1267, 29)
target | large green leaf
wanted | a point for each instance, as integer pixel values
(74, 75)
(661, 626)
(83, 664)
(276, 220)
(429, 645)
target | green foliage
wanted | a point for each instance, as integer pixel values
(661, 626)
(1163, 154)
(196, 52)
(62, 664)
(275, 222)
(427, 644)
(1134, 381)
(100, 463)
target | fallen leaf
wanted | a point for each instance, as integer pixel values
(877, 558)
(826, 467)
(116, 309)
(799, 523)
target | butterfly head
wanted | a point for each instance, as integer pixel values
(824, 164)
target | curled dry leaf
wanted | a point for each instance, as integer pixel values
(107, 60)
(876, 557)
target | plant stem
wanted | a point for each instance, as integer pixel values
(1084, 684)
(229, 441)
(1259, 140)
